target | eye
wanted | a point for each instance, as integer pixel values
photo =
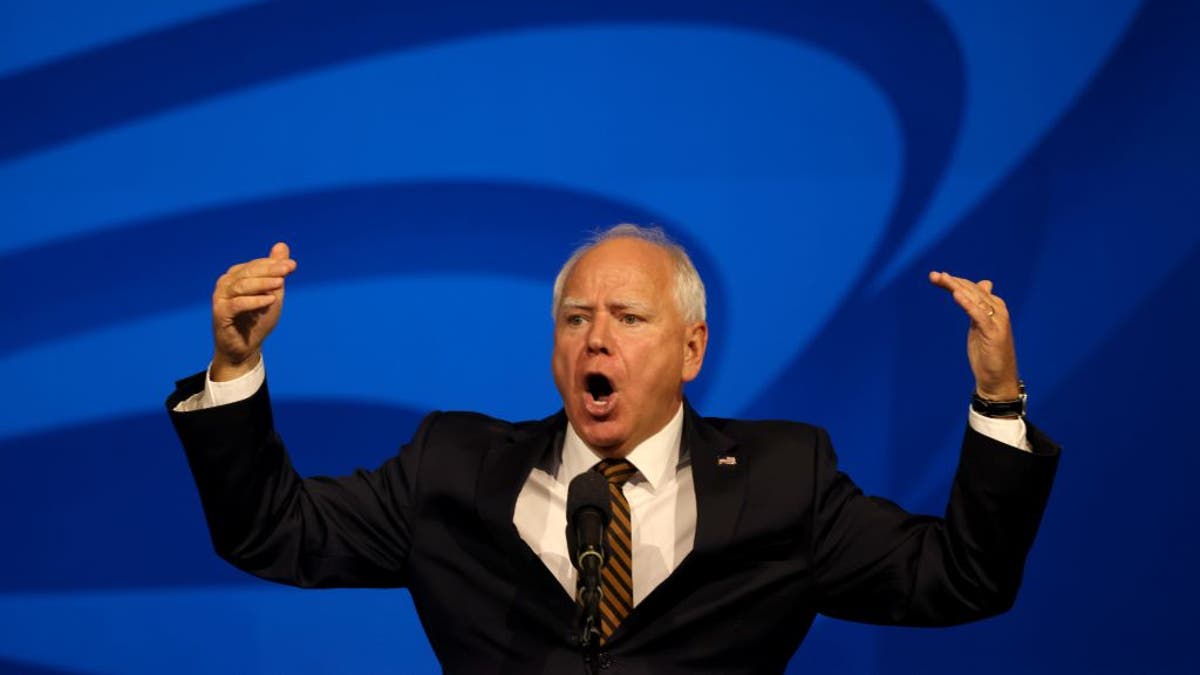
(575, 319)
(631, 319)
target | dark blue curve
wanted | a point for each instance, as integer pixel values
(1127, 157)
(904, 46)
(116, 506)
(9, 667)
(1121, 523)
(348, 233)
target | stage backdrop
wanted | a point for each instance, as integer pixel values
(431, 164)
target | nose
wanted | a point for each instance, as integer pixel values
(599, 336)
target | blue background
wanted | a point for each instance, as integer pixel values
(433, 165)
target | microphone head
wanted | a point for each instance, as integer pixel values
(588, 490)
(588, 511)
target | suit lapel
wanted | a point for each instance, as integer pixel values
(719, 474)
(505, 469)
(719, 477)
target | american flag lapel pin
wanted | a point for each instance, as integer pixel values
(727, 460)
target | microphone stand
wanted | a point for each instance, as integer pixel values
(588, 512)
(587, 613)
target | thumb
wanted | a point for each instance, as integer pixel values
(280, 251)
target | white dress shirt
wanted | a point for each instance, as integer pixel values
(662, 507)
(662, 497)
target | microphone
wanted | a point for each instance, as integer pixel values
(588, 513)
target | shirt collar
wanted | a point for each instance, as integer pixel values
(656, 458)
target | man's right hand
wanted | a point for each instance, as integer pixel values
(246, 305)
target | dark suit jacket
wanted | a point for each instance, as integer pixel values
(781, 534)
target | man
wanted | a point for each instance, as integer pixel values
(727, 536)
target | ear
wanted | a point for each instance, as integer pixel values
(694, 345)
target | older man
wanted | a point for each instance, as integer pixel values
(727, 536)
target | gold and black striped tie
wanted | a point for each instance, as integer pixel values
(616, 577)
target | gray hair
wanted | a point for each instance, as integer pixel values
(689, 289)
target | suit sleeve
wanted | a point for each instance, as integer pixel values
(353, 531)
(876, 563)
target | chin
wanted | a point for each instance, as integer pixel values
(599, 435)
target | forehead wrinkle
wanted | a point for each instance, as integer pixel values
(635, 305)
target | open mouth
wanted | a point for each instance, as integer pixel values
(599, 387)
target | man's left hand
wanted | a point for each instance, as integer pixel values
(989, 340)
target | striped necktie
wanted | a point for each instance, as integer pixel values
(616, 577)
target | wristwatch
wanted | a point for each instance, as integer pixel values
(989, 408)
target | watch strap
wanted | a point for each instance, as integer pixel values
(990, 408)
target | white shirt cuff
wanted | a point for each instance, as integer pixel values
(224, 393)
(1007, 431)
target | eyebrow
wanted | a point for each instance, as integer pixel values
(633, 305)
(574, 303)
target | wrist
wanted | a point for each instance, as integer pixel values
(224, 369)
(1009, 391)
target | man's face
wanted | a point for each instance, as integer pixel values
(622, 351)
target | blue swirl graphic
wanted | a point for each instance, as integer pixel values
(432, 165)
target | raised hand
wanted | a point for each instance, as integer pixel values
(246, 304)
(989, 340)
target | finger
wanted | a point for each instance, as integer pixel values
(253, 286)
(266, 267)
(247, 303)
(993, 304)
(983, 289)
(981, 313)
(952, 283)
(960, 283)
(280, 251)
(941, 280)
(997, 303)
(230, 285)
(970, 296)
